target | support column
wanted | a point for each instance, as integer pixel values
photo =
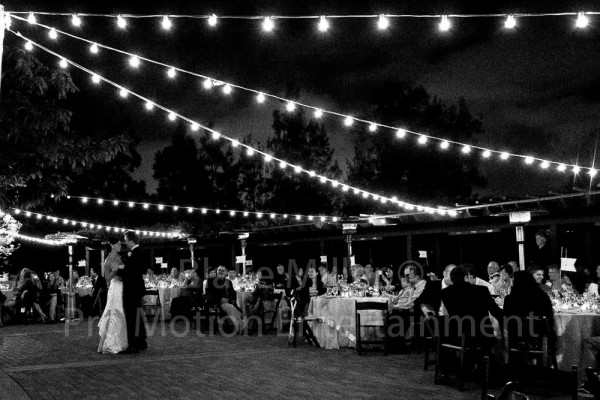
(87, 261)
(520, 231)
(243, 243)
(346, 271)
(2, 27)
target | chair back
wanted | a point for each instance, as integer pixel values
(594, 381)
(527, 331)
(371, 305)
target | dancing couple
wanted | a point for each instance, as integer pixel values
(122, 329)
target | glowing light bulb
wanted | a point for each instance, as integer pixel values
(207, 84)
(95, 78)
(282, 165)
(318, 113)
(400, 133)
(131, 204)
(31, 18)
(582, 20)
(268, 25)
(29, 45)
(348, 121)
(161, 207)
(510, 22)
(94, 48)
(75, 20)
(190, 210)
(561, 167)
(212, 20)
(268, 158)
(345, 188)
(231, 213)
(171, 73)
(290, 106)
(115, 203)
(486, 154)
(504, 155)
(356, 191)
(312, 174)
(298, 217)
(172, 116)
(529, 160)
(322, 179)
(249, 152)
(445, 24)
(166, 23)
(365, 195)
(297, 169)
(216, 135)
(134, 61)
(149, 105)
(422, 139)
(576, 170)
(373, 127)
(593, 172)
(273, 216)
(445, 144)
(227, 89)
(259, 215)
(52, 34)
(466, 149)
(121, 22)
(246, 213)
(146, 206)
(323, 24)
(235, 143)
(123, 93)
(195, 127)
(383, 23)
(63, 63)
(260, 98)
(544, 165)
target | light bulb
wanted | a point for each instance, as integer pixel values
(227, 89)
(52, 34)
(422, 139)
(268, 158)
(282, 165)
(216, 135)
(323, 24)
(121, 22)
(166, 23)
(348, 121)
(249, 151)
(212, 20)
(373, 127)
(260, 98)
(268, 25)
(134, 61)
(290, 106)
(232, 213)
(115, 203)
(383, 23)
(593, 172)
(207, 84)
(510, 22)
(582, 21)
(161, 207)
(312, 173)
(544, 165)
(29, 45)
(95, 78)
(172, 116)
(31, 18)
(94, 48)
(246, 213)
(400, 133)
(445, 24)
(297, 169)
(235, 143)
(75, 20)
(576, 170)
(486, 154)
(561, 167)
(171, 73)
(529, 160)
(504, 155)
(445, 144)
(273, 215)
(322, 179)
(123, 93)
(466, 149)
(63, 63)
(149, 105)
(131, 204)
(318, 113)
(195, 127)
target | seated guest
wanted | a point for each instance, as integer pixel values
(528, 299)
(581, 278)
(74, 279)
(232, 275)
(255, 303)
(299, 277)
(538, 274)
(503, 285)
(28, 291)
(220, 294)
(474, 280)
(556, 282)
(593, 287)
(404, 299)
(59, 279)
(312, 287)
(192, 280)
(149, 277)
(176, 277)
(326, 277)
(493, 270)
(358, 274)
(211, 274)
(432, 295)
(388, 281)
(281, 278)
(370, 275)
(472, 304)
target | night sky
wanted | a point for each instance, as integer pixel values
(536, 88)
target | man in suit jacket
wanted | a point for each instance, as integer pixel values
(133, 292)
(99, 292)
(471, 304)
(432, 295)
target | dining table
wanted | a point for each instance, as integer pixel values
(81, 291)
(165, 297)
(334, 323)
(572, 330)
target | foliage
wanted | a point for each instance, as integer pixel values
(39, 153)
(9, 227)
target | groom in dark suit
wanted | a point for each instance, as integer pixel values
(133, 292)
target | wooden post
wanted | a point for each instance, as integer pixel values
(2, 27)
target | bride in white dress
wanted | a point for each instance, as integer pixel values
(113, 329)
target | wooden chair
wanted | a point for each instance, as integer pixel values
(270, 297)
(509, 392)
(528, 338)
(372, 306)
(156, 307)
(540, 380)
(99, 301)
(594, 382)
(431, 333)
(300, 322)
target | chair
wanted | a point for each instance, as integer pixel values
(371, 306)
(430, 330)
(300, 322)
(540, 380)
(509, 392)
(270, 298)
(460, 341)
(528, 337)
(594, 382)
(99, 301)
(155, 306)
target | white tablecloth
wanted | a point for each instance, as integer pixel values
(165, 295)
(572, 330)
(81, 291)
(337, 319)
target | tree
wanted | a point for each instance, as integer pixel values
(306, 144)
(9, 228)
(39, 153)
(385, 165)
(253, 185)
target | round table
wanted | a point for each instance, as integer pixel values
(572, 329)
(165, 295)
(336, 326)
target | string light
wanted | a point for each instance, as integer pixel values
(545, 165)
(94, 48)
(134, 61)
(212, 20)
(95, 78)
(323, 24)
(227, 87)
(268, 25)
(75, 20)
(529, 160)
(267, 158)
(31, 18)
(561, 167)
(149, 105)
(445, 144)
(48, 242)
(235, 143)
(63, 63)
(510, 22)
(121, 22)
(373, 127)
(290, 106)
(171, 73)
(593, 172)
(249, 151)
(466, 149)
(52, 34)
(422, 139)
(166, 23)
(383, 23)
(260, 98)
(195, 127)
(486, 154)
(172, 116)
(216, 135)
(582, 21)
(445, 24)
(28, 46)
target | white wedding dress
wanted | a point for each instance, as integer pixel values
(113, 328)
